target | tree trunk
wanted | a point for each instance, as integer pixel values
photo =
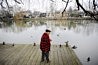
(89, 4)
(94, 5)
(65, 7)
(87, 12)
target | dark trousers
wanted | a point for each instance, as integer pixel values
(45, 54)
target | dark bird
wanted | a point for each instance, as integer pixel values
(3, 43)
(64, 28)
(60, 45)
(88, 59)
(57, 34)
(74, 47)
(13, 44)
(67, 42)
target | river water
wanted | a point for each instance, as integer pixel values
(81, 33)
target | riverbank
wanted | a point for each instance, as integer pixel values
(58, 18)
(62, 18)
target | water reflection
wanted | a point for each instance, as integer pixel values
(81, 33)
(77, 26)
(84, 27)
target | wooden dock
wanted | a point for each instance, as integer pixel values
(27, 54)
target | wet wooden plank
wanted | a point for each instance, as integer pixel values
(23, 55)
(52, 55)
(27, 54)
(68, 58)
(34, 52)
(56, 55)
(60, 56)
(75, 59)
(5, 58)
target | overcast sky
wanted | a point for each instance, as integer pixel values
(45, 5)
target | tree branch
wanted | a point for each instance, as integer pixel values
(94, 5)
(2, 4)
(65, 6)
(21, 2)
(51, 0)
(7, 3)
(64, 1)
(87, 12)
(17, 1)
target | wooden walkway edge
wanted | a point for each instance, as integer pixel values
(27, 54)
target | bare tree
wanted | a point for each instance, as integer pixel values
(65, 6)
(94, 5)
(6, 1)
(89, 4)
(92, 14)
(7, 15)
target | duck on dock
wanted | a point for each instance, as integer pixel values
(60, 45)
(88, 59)
(3, 43)
(74, 47)
(13, 44)
(34, 44)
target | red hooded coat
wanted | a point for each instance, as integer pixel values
(45, 43)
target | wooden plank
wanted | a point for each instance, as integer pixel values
(19, 55)
(6, 57)
(6, 51)
(63, 56)
(55, 55)
(68, 59)
(30, 54)
(74, 57)
(30, 61)
(23, 54)
(26, 54)
(38, 58)
(16, 55)
(52, 55)
(60, 57)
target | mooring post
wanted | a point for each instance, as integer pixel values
(34, 44)
(60, 45)
(67, 44)
(13, 44)
(88, 59)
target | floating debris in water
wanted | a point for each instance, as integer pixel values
(64, 28)
(57, 34)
